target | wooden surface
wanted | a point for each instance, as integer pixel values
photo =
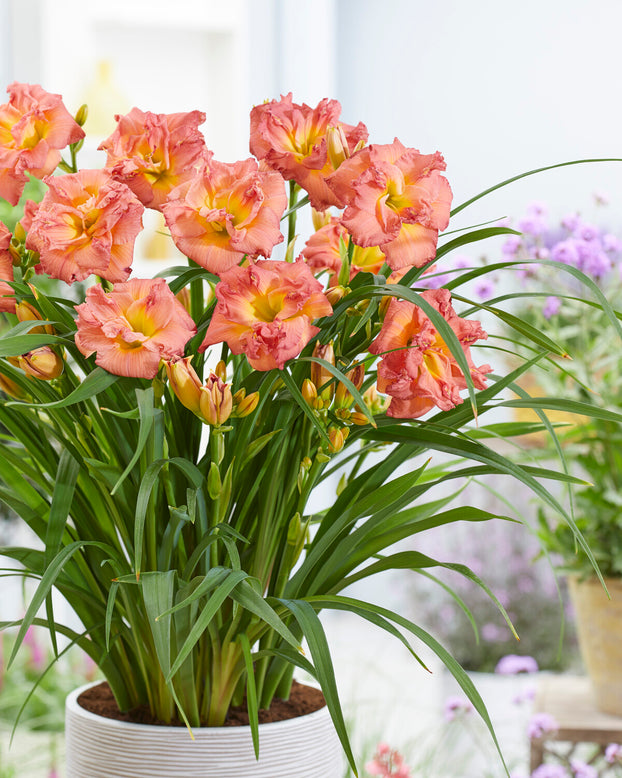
(569, 700)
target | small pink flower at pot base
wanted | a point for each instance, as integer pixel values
(87, 223)
(387, 762)
(133, 327)
(265, 310)
(34, 126)
(512, 664)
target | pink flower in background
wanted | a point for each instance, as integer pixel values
(265, 310)
(419, 371)
(133, 327)
(87, 223)
(613, 753)
(395, 198)
(387, 762)
(155, 152)
(455, 706)
(322, 252)
(550, 770)
(541, 724)
(227, 212)
(34, 126)
(37, 655)
(581, 769)
(7, 304)
(512, 664)
(292, 139)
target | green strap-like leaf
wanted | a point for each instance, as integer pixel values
(251, 692)
(147, 413)
(93, 384)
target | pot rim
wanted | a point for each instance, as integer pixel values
(72, 706)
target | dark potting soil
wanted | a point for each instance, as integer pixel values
(303, 699)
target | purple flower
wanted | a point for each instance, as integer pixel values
(586, 231)
(613, 753)
(550, 770)
(462, 261)
(455, 705)
(582, 769)
(484, 289)
(566, 252)
(551, 307)
(571, 221)
(492, 632)
(541, 252)
(611, 243)
(541, 724)
(512, 664)
(532, 225)
(537, 208)
(511, 245)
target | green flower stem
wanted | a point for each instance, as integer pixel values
(291, 219)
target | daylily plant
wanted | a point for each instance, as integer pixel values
(163, 437)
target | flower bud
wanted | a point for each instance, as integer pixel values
(216, 401)
(8, 386)
(336, 145)
(27, 312)
(42, 363)
(245, 405)
(16, 257)
(82, 114)
(19, 233)
(319, 375)
(335, 293)
(343, 398)
(320, 219)
(309, 392)
(358, 418)
(214, 482)
(184, 297)
(337, 439)
(185, 383)
(221, 370)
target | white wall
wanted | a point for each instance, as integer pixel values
(498, 87)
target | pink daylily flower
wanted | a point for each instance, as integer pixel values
(292, 139)
(34, 126)
(419, 372)
(7, 304)
(133, 327)
(322, 252)
(265, 310)
(154, 152)
(227, 212)
(395, 198)
(86, 223)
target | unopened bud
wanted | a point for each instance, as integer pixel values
(19, 233)
(216, 401)
(185, 383)
(42, 363)
(337, 439)
(343, 397)
(221, 370)
(336, 145)
(320, 219)
(319, 374)
(335, 293)
(8, 386)
(289, 254)
(214, 482)
(293, 529)
(358, 418)
(82, 114)
(309, 392)
(16, 257)
(27, 312)
(245, 405)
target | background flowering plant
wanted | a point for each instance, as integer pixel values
(163, 438)
(560, 306)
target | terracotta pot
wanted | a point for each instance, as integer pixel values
(599, 628)
(305, 747)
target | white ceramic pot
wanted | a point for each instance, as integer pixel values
(97, 747)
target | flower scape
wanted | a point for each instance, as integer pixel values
(163, 436)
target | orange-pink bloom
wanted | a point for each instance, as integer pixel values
(292, 139)
(227, 212)
(155, 152)
(86, 223)
(419, 372)
(133, 327)
(265, 311)
(395, 198)
(34, 126)
(7, 303)
(323, 252)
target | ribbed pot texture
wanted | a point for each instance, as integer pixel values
(97, 747)
(599, 627)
